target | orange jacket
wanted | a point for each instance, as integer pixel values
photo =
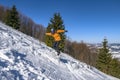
(56, 35)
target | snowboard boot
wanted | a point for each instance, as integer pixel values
(58, 53)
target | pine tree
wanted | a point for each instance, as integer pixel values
(12, 18)
(48, 39)
(114, 68)
(56, 23)
(104, 58)
(7, 17)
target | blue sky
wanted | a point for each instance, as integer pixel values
(87, 20)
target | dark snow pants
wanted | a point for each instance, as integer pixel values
(56, 46)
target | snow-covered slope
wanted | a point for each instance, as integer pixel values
(24, 58)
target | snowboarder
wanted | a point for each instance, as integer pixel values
(55, 34)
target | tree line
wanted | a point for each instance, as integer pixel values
(81, 51)
(19, 21)
(99, 58)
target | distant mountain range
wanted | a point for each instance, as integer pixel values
(113, 47)
(115, 50)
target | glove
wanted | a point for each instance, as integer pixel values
(66, 31)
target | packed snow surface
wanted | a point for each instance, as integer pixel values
(25, 58)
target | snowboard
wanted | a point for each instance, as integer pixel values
(58, 51)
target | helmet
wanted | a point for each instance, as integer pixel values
(52, 31)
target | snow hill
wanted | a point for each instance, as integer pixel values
(24, 58)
